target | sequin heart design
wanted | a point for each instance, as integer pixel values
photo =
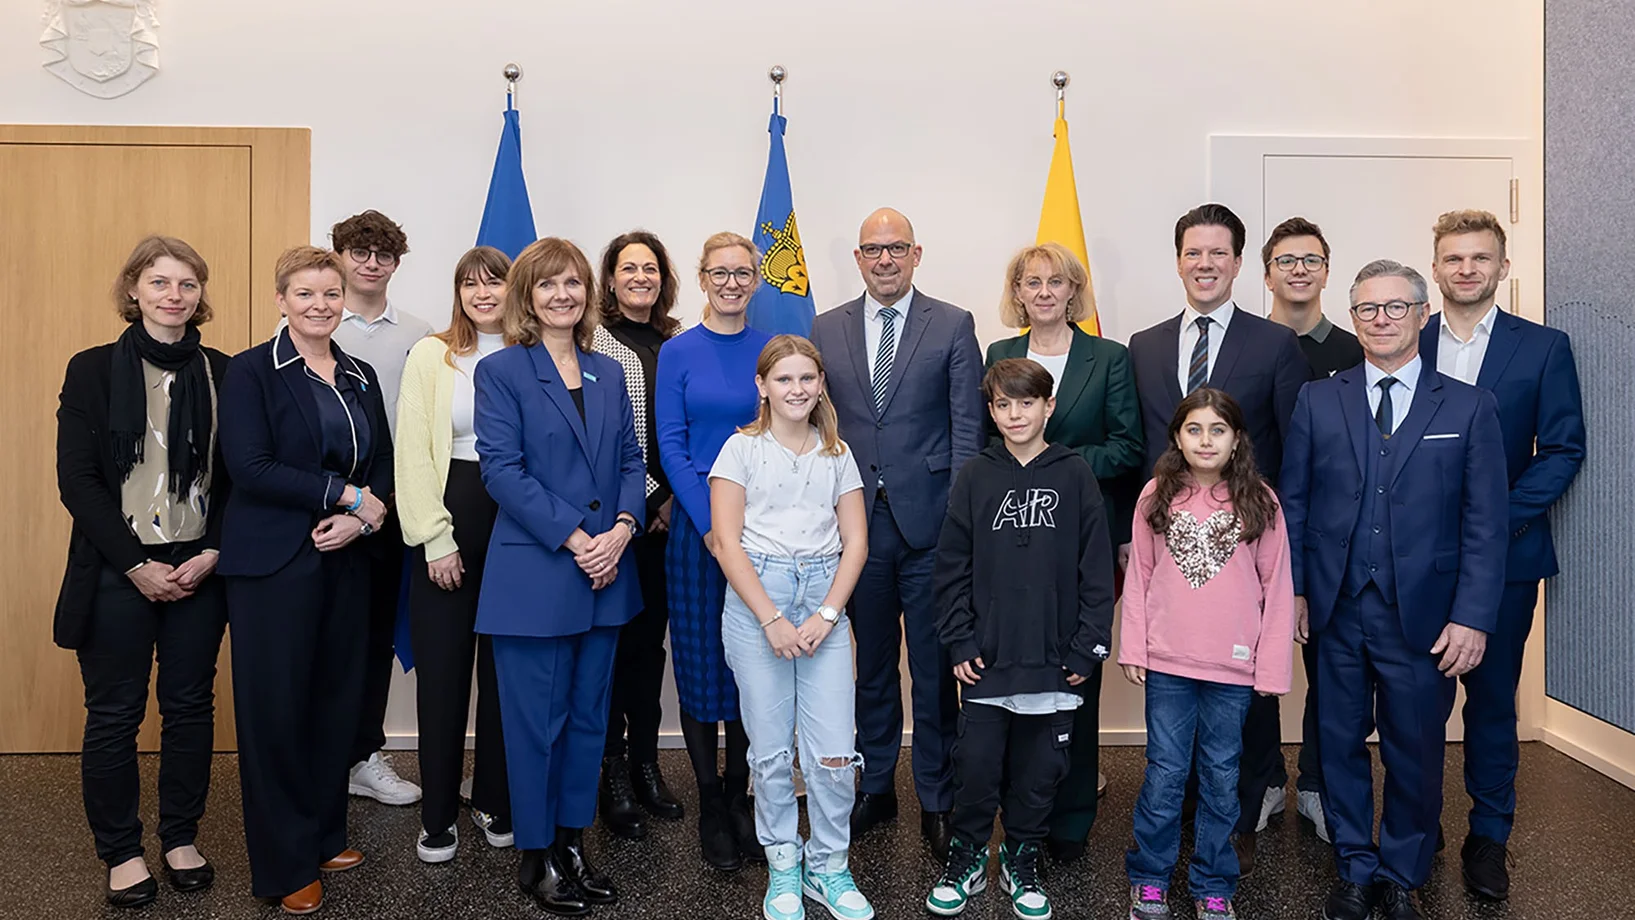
(1201, 548)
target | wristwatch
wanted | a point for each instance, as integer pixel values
(829, 614)
(635, 528)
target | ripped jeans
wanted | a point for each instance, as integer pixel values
(812, 695)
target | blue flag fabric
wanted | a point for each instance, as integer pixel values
(784, 301)
(508, 218)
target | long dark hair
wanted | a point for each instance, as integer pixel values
(666, 324)
(461, 334)
(1252, 499)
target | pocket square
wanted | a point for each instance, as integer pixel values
(1439, 437)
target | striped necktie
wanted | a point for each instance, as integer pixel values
(884, 355)
(1198, 370)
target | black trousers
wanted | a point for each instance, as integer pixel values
(127, 630)
(638, 668)
(1076, 800)
(298, 641)
(1009, 760)
(385, 568)
(1311, 761)
(1261, 766)
(442, 623)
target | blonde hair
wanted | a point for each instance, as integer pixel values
(1062, 262)
(305, 258)
(546, 258)
(726, 239)
(1455, 223)
(461, 334)
(149, 251)
(823, 414)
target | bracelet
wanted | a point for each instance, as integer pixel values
(357, 502)
(775, 617)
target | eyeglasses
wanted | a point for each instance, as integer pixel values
(1312, 262)
(873, 250)
(1395, 309)
(383, 259)
(720, 276)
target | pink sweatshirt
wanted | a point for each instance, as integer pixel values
(1199, 603)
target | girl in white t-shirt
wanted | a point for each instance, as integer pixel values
(790, 535)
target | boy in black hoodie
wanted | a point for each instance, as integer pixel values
(1024, 580)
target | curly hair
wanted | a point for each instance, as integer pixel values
(369, 230)
(1252, 500)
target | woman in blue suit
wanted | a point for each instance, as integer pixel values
(557, 440)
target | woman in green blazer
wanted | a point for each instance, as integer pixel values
(1096, 415)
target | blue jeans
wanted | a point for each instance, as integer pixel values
(813, 695)
(1181, 711)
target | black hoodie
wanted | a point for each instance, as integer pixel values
(1024, 574)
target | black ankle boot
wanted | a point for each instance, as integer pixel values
(617, 800)
(652, 792)
(570, 852)
(542, 875)
(741, 822)
(714, 831)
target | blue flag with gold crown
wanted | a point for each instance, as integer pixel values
(783, 303)
(508, 217)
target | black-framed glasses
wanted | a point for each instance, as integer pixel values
(897, 249)
(1312, 262)
(720, 276)
(382, 258)
(1394, 309)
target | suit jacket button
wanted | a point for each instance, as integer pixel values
(1344, 543)
(595, 505)
(1356, 496)
(879, 424)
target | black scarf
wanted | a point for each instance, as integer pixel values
(190, 404)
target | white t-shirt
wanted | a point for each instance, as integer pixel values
(463, 412)
(1056, 364)
(789, 500)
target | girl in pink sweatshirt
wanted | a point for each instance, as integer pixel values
(1207, 621)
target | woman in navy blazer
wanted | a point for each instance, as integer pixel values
(304, 436)
(556, 436)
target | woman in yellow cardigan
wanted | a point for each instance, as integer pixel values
(447, 516)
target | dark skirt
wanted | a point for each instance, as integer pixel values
(697, 591)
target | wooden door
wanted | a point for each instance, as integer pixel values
(74, 206)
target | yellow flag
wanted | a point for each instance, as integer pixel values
(1059, 220)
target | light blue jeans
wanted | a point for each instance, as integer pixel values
(813, 696)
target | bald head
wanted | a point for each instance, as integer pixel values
(887, 255)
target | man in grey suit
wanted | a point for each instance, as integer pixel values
(905, 373)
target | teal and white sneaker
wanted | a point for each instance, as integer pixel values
(783, 872)
(965, 876)
(837, 892)
(1019, 875)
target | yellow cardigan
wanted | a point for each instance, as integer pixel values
(425, 439)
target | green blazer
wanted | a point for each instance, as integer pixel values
(1096, 415)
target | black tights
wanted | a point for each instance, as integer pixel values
(702, 739)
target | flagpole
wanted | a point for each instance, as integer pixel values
(512, 74)
(777, 75)
(1060, 79)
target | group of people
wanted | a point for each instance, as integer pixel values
(564, 475)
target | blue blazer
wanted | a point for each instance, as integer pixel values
(272, 443)
(932, 420)
(551, 473)
(1446, 493)
(1260, 364)
(1530, 370)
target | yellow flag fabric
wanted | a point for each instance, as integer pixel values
(1059, 220)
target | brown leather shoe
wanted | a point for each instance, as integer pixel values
(342, 861)
(305, 901)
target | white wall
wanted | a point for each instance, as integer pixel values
(653, 113)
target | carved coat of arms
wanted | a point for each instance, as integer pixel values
(103, 48)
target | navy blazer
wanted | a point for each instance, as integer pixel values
(1530, 370)
(1446, 492)
(552, 473)
(932, 420)
(272, 442)
(1260, 364)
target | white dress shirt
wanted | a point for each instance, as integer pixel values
(872, 325)
(1219, 320)
(1402, 392)
(1463, 360)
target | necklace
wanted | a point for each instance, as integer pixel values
(794, 459)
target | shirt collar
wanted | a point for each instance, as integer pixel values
(1222, 315)
(284, 354)
(872, 307)
(1483, 325)
(389, 315)
(1320, 331)
(1407, 376)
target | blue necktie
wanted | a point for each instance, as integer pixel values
(884, 355)
(1198, 370)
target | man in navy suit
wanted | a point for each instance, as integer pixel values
(1530, 370)
(1393, 491)
(904, 374)
(1260, 363)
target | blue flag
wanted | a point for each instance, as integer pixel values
(784, 301)
(508, 218)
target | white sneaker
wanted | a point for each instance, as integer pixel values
(437, 854)
(485, 821)
(1272, 804)
(1310, 806)
(376, 779)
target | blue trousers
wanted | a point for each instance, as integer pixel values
(1491, 752)
(554, 697)
(1368, 673)
(896, 583)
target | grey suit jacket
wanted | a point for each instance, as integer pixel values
(932, 420)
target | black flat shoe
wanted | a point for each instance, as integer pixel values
(1486, 867)
(543, 876)
(140, 894)
(570, 854)
(1397, 904)
(1064, 851)
(653, 794)
(937, 827)
(195, 879)
(871, 810)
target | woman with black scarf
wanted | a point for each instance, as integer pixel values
(141, 476)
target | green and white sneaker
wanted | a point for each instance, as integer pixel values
(783, 872)
(1019, 875)
(965, 876)
(837, 892)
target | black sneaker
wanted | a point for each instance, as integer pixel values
(1397, 903)
(1348, 901)
(1487, 870)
